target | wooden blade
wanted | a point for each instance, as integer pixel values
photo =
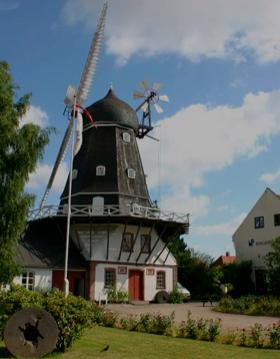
(138, 94)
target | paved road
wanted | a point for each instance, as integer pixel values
(229, 321)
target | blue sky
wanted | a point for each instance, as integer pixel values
(219, 63)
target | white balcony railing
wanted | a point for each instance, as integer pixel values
(108, 210)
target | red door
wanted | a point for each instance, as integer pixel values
(76, 281)
(136, 285)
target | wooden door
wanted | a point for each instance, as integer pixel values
(136, 285)
(76, 281)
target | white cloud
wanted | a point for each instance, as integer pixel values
(224, 229)
(270, 177)
(198, 140)
(35, 115)
(39, 178)
(191, 28)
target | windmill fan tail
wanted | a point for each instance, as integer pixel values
(92, 59)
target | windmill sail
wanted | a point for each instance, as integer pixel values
(82, 93)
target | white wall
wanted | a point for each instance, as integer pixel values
(122, 279)
(266, 206)
(43, 278)
(99, 244)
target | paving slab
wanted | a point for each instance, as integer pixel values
(228, 321)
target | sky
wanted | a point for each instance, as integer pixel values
(219, 63)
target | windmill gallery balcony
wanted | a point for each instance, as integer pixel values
(152, 213)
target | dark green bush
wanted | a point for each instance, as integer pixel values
(16, 299)
(117, 296)
(250, 305)
(203, 329)
(274, 336)
(72, 314)
(176, 297)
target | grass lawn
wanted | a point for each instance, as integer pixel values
(132, 345)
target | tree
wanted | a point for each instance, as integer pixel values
(194, 270)
(239, 276)
(20, 149)
(272, 261)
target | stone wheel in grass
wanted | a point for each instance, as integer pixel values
(31, 333)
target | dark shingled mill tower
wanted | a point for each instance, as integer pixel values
(108, 163)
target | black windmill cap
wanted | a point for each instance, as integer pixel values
(112, 110)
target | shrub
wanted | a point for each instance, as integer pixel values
(14, 300)
(109, 319)
(243, 338)
(229, 337)
(117, 296)
(274, 336)
(176, 297)
(203, 329)
(72, 314)
(256, 332)
(214, 328)
(251, 305)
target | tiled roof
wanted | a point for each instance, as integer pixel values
(43, 246)
(224, 260)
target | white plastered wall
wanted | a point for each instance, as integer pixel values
(43, 278)
(122, 280)
(267, 206)
(99, 244)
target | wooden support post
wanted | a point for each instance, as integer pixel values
(155, 244)
(166, 244)
(135, 239)
(142, 247)
(120, 253)
(108, 241)
(166, 257)
(90, 239)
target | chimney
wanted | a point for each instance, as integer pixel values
(227, 254)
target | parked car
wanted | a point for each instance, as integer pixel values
(185, 293)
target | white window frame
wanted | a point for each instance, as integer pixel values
(27, 280)
(100, 170)
(131, 173)
(126, 137)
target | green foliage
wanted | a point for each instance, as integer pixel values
(274, 336)
(238, 276)
(72, 314)
(14, 300)
(155, 323)
(194, 270)
(203, 329)
(20, 149)
(272, 260)
(250, 305)
(117, 296)
(176, 297)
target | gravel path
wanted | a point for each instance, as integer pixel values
(229, 321)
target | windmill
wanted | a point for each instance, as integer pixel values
(75, 98)
(151, 97)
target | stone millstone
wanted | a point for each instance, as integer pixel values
(31, 333)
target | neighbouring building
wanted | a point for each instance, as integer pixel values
(224, 259)
(118, 237)
(252, 239)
